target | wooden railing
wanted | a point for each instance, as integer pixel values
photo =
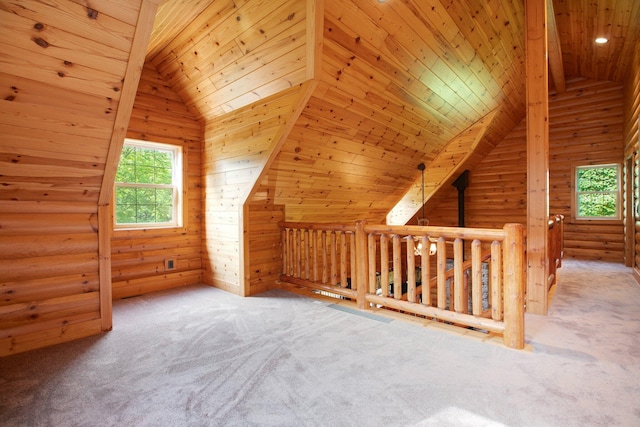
(555, 248)
(465, 276)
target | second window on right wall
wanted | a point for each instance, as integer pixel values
(597, 192)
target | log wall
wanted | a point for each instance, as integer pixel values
(631, 142)
(585, 127)
(138, 256)
(65, 82)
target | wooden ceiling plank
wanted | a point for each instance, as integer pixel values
(71, 17)
(180, 40)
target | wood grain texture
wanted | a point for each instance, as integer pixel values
(237, 149)
(63, 74)
(631, 148)
(138, 256)
(585, 127)
(579, 22)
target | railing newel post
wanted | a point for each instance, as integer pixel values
(362, 260)
(514, 286)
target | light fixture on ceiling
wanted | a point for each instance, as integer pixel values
(601, 40)
(424, 221)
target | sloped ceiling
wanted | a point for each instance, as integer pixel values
(580, 22)
(400, 80)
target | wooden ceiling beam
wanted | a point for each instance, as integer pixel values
(556, 68)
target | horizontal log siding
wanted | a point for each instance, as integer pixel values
(60, 98)
(631, 141)
(138, 257)
(585, 127)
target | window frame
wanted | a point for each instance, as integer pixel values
(576, 193)
(177, 186)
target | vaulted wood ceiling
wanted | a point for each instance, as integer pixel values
(400, 81)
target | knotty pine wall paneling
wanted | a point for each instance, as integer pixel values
(585, 127)
(62, 81)
(138, 256)
(238, 147)
(265, 261)
(239, 52)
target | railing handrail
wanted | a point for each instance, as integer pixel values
(363, 249)
(446, 232)
(347, 228)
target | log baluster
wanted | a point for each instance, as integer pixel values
(496, 281)
(343, 260)
(371, 245)
(411, 270)
(384, 264)
(458, 280)
(397, 267)
(425, 270)
(441, 274)
(325, 258)
(476, 278)
(333, 248)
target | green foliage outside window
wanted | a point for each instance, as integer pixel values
(144, 186)
(597, 191)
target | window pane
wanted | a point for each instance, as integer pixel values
(164, 196)
(597, 205)
(164, 213)
(144, 174)
(163, 175)
(125, 196)
(126, 214)
(126, 172)
(146, 213)
(597, 190)
(146, 196)
(143, 167)
(598, 179)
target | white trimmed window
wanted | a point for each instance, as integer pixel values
(148, 185)
(597, 193)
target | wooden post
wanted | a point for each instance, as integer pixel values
(537, 155)
(411, 270)
(372, 263)
(441, 273)
(307, 244)
(384, 264)
(397, 267)
(496, 281)
(458, 284)
(284, 250)
(476, 278)
(343, 260)
(513, 267)
(105, 225)
(334, 258)
(361, 270)
(353, 262)
(325, 259)
(315, 249)
(426, 273)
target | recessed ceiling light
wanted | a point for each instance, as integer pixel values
(602, 40)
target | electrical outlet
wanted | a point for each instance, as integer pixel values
(169, 264)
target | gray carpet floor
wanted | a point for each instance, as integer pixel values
(197, 356)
